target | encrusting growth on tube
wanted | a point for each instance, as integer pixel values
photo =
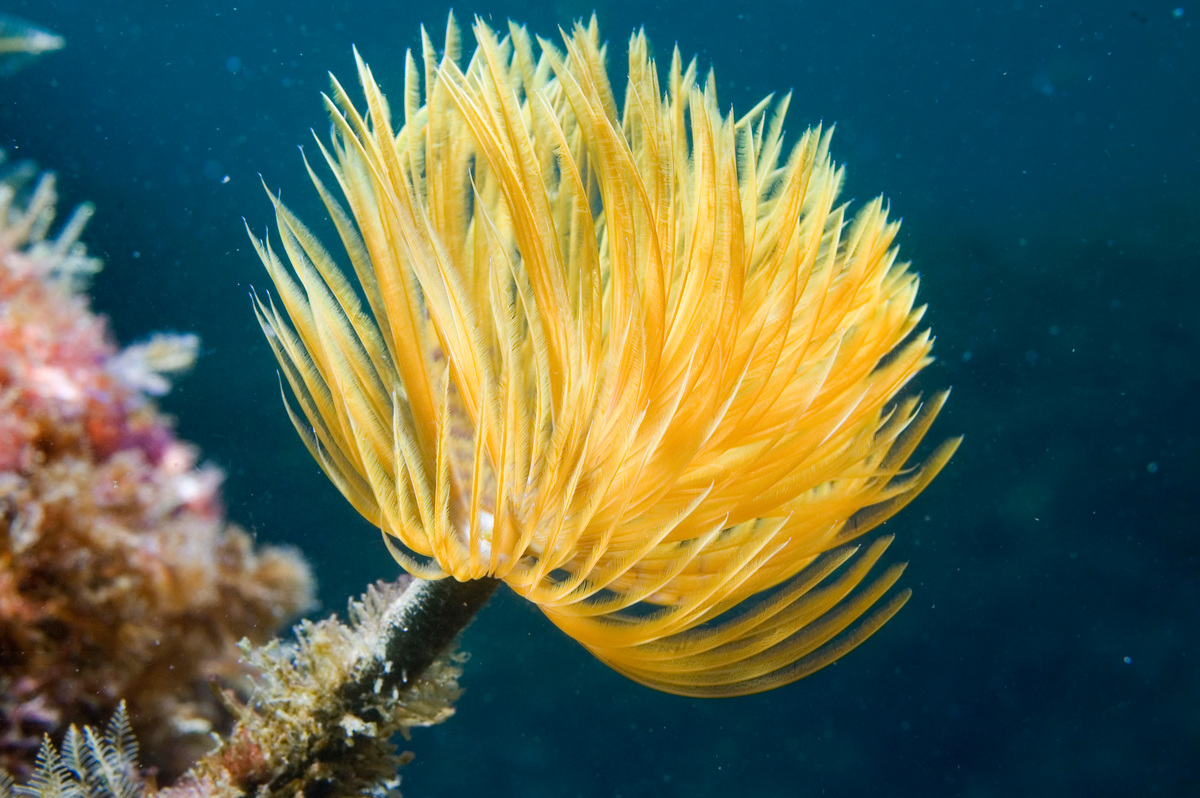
(627, 354)
(325, 708)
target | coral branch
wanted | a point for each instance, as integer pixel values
(119, 577)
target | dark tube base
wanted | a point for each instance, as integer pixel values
(419, 627)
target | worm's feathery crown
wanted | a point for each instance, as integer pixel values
(636, 361)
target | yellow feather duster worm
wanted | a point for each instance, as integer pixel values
(632, 360)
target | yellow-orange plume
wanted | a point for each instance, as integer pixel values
(626, 354)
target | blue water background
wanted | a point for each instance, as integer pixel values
(1044, 158)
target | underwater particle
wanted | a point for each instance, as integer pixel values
(629, 356)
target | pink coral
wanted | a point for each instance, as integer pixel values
(119, 577)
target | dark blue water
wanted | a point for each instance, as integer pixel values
(1045, 159)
